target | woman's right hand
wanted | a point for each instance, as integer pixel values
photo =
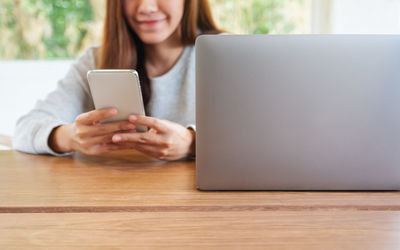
(88, 135)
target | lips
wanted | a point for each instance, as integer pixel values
(150, 22)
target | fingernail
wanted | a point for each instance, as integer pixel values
(117, 138)
(133, 117)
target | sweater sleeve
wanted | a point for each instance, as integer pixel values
(191, 126)
(70, 98)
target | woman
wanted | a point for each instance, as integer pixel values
(156, 38)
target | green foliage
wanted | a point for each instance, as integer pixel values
(37, 29)
(60, 25)
(61, 14)
(9, 13)
(256, 16)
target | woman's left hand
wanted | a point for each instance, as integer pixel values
(165, 140)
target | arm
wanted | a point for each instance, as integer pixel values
(60, 107)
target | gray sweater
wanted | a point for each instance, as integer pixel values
(173, 98)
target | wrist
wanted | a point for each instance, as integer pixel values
(192, 147)
(59, 139)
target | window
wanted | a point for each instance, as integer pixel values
(54, 29)
(61, 29)
(48, 29)
(262, 16)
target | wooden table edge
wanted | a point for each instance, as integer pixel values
(237, 208)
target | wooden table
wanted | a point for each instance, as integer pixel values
(126, 200)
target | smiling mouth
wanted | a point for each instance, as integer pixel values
(151, 22)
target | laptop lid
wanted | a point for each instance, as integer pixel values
(298, 112)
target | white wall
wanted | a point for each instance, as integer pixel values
(24, 82)
(365, 16)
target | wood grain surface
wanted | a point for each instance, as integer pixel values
(208, 230)
(127, 200)
(130, 179)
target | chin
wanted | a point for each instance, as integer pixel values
(153, 38)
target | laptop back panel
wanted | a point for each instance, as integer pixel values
(303, 112)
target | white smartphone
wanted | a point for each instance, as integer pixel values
(118, 89)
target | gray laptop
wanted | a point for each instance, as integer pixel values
(298, 112)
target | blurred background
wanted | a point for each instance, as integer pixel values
(59, 29)
(40, 38)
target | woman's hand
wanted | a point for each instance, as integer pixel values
(88, 135)
(165, 140)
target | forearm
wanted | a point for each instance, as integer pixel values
(60, 139)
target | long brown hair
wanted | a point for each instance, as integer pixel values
(122, 48)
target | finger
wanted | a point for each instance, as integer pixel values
(157, 124)
(138, 137)
(93, 141)
(95, 116)
(108, 128)
(152, 151)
